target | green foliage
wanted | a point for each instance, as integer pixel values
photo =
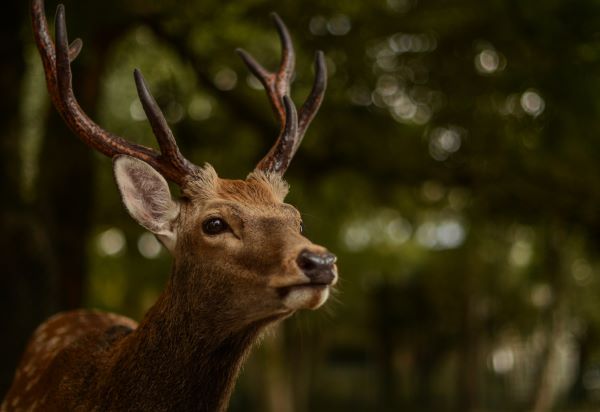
(453, 168)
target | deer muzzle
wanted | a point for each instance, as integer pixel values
(318, 267)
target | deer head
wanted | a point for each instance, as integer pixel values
(240, 261)
(239, 234)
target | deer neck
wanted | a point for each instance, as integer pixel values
(183, 356)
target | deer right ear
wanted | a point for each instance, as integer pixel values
(147, 198)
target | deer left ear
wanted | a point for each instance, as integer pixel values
(147, 198)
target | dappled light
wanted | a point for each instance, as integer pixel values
(443, 141)
(111, 242)
(453, 169)
(444, 234)
(532, 103)
(148, 246)
(386, 228)
(489, 61)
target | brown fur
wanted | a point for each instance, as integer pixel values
(187, 351)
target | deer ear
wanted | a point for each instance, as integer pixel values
(147, 198)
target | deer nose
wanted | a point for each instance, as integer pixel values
(318, 267)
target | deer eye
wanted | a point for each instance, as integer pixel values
(214, 226)
(301, 227)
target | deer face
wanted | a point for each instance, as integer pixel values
(239, 235)
(240, 243)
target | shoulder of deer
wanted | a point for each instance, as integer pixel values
(54, 343)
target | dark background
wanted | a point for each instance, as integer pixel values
(453, 168)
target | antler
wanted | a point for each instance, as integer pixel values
(277, 86)
(57, 67)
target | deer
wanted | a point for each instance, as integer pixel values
(240, 260)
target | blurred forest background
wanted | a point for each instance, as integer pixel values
(453, 169)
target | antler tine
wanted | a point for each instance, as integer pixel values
(79, 122)
(288, 56)
(279, 157)
(166, 141)
(46, 47)
(75, 49)
(311, 106)
(56, 59)
(277, 85)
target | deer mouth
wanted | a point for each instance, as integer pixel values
(285, 290)
(309, 295)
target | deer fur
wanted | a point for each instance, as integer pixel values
(228, 282)
(223, 292)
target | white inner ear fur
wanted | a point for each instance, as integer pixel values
(147, 198)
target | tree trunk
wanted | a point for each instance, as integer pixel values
(278, 386)
(66, 182)
(544, 396)
(42, 246)
(468, 352)
(27, 266)
(468, 360)
(65, 202)
(383, 297)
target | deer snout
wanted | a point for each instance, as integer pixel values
(318, 267)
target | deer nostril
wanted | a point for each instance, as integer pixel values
(310, 260)
(318, 267)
